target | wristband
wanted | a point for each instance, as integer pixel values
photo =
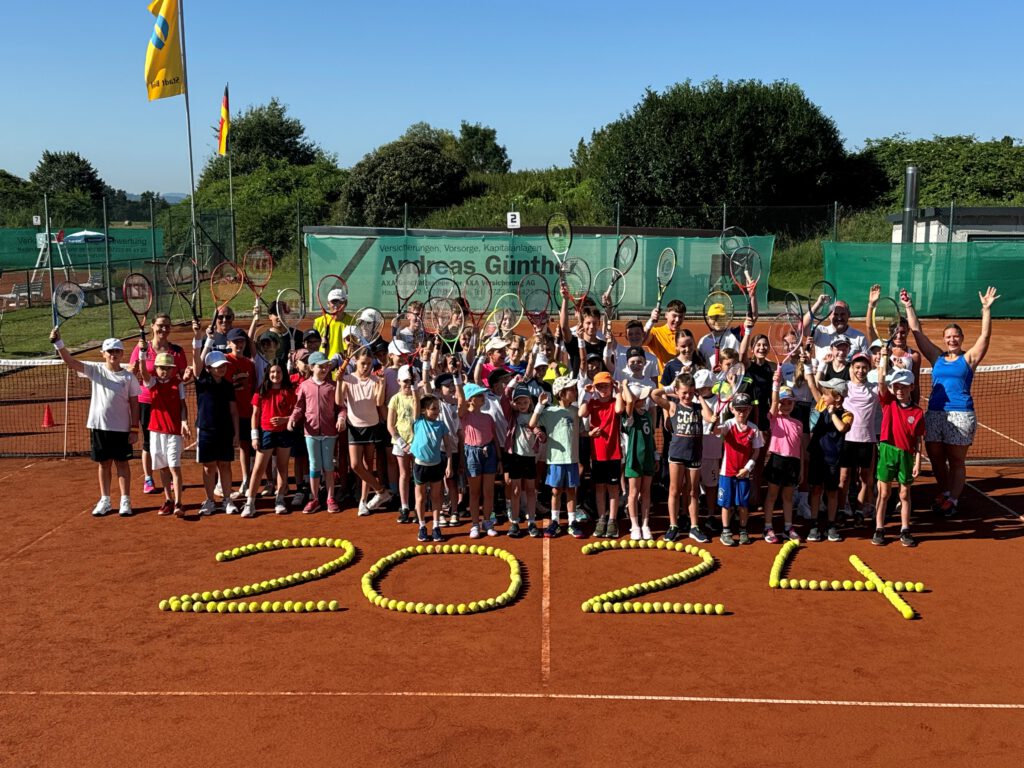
(749, 466)
(197, 344)
(539, 409)
(254, 434)
(58, 344)
(647, 326)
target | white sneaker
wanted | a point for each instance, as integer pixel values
(645, 531)
(269, 489)
(378, 499)
(125, 509)
(219, 490)
(453, 519)
(249, 509)
(206, 508)
(231, 508)
(635, 534)
(474, 532)
(102, 507)
(280, 508)
(241, 493)
(364, 508)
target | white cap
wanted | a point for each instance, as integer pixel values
(405, 373)
(400, 346)
(702, 377)
(370, 316)
(495, 343)
(215, 359)
(541, 359)
(110, 345)
(562, 382)
(337, 294)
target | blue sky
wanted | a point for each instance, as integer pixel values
(543, 74)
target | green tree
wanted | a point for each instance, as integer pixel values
(479, 150)
(60, 172)
(416, 172)
(695, 147)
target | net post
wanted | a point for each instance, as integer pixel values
(67, 387)
(106, 259)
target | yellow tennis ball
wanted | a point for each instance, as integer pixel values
(803, 583)
(812, 584)
(698, 608)
(165, 605)
(461, 608)
(719, 609)
(687, 607)
(919, 587)
(429, 609)
(907, 612)
(784, 583)
(332, 605)
(898, 586)
(847, 584)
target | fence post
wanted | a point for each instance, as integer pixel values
(724, 216)
(405, 219)
(298, 250)
(618, 219)
(835, 221)
(949, 229)
(49, 262)
(106, 259)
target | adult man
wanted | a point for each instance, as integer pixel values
(839, 323)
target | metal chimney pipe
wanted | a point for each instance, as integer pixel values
(909, 204)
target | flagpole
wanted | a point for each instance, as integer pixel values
(188, 130)
(231, 185)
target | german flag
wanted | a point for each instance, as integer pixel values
(225, 125)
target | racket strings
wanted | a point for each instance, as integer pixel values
(259, 266)
(408, 280)
(625, 254)
(559, 233)
(68, 299)
(225, 282)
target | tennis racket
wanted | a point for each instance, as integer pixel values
(666, 271)
(745, 269)
(779, 329)
(183, 280)
(574, 275)
(718, 316)
(444, 319)
(324, 287)
(823, 299)
(269, 345)
(258, 267)
(68, 301)
(364, 332)
(138, 295)
(535, 297)
(501, 322)
(477, 293)
(559, 234)
(611, 282)
(290, 310)
(885, 320)
(225, 282)
(729, 383)
(407, 282)
(625, 254)
(444, 288)
(794, 306)
(731, 239)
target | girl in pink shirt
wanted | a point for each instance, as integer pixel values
(315, 407)
(782, 470)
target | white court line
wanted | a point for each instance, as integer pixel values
(997, 432)
(993, 500)
(32, 543)
(520, 695)
(545, 627)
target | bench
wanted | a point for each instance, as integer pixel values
(21, 293)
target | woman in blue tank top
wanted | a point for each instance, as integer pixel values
(950, 421)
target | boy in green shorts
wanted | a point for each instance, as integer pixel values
(899, 452)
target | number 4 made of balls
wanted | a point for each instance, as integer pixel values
(869, 581)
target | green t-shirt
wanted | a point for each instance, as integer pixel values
(563, 428)
(638, 460)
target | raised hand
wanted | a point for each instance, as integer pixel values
(874, 294)
(905, 299)
(988, 298)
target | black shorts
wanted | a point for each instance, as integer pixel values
(270, 441)
(105, 445)
(802, 413)
(244, 427)
(820, 473)
(520, 467)
(424, 474)
(363, 435)
(783, 471)
(298, 444)
(212, 447)
(686, 454)
(606, 472)
(144, 410)
(857, 455)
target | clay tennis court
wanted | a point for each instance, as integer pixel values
(95, 673)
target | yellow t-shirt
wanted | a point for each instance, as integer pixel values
(336, 337)
(662, 343)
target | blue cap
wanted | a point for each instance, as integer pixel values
(472, 390)
(237, 334)
(317, 358)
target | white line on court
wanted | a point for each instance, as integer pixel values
(997, 432)
(521, 695)
(32, 543)
(992, 499)
(545, 626)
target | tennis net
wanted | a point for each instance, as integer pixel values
(29, 387)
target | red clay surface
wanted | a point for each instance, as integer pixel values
(93, 669)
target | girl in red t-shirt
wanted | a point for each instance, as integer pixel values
(272, 404)
(606, 453)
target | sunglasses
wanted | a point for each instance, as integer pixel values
(225, 317)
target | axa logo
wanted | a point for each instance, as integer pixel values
(160, 31)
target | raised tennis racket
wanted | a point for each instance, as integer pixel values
(183, 280)
(666, 271)
(444, 319)
(745, 269)
(407, 282)
(574, 276)
(138, 295)
(610, 283)
(780, 328)
(444, 288)
(269, 346)
(327, 285)
(290, 311)
(731, 239)
(886, 319)
(501, 322)
(559, 233)
(718, 316)
(258, 267)
(535, 296)
(476, 294)
(794, 306)
(364, 332)
(625, 254)
(226, 281)
(68, 301)
(823, 299)
(728, 385)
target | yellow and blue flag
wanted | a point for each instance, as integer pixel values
(225, 125)
(165, 75)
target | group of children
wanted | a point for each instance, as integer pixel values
(560, 427)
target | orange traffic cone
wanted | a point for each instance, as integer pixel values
(47, 417)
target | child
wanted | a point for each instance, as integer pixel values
(361, 395)
(481, 451)
(492, 360)
(685, 419)
(300, 364)
(616, 356)
(782, 470)
(168, 421)
(687, 359)
(521, 465)
(742, 440)
(835, 366)
(271, 405)
(899, 452)
(449, 387)
(858, 456)
(113, 418)
(606, 452)
(828, 433)
(561, 423)
(428, 433)
(400, 417)
(216, 420)
(242, 374)
(638, 456)
(315, 407)
(711, 448)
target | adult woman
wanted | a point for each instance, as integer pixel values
(158, 343)
(949, 421)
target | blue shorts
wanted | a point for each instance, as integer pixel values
(213, 447)
(270, 441)
(563, 476)
(321, 454)
(481, 460)
(733, 491)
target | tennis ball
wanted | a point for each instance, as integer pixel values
(461, 608)
(719, 609)
(186, 605)
(164, 605)
(888, 585)
(812, 584)
(898, 586)
(617, 608)
(254, 607)
(660, 544)
(870, 586)
(919, 587)
(687, 607)
(648, 608)
(232, 607)
(298, 607)
(266, 606)
(175, 605)
(709, 609)
(698, 608)
(803, 583)
(418, 608)
(474, 606)
(429, 609)
(677, 607)
(221, 607)
(847, 584)
(275, 607)
(907, 612)
(784, 583)
(332, 605)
